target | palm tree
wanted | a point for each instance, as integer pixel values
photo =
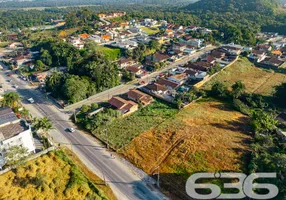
(11, 100)
(43, 124)
(25, 114)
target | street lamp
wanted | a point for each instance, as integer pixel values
(106, 134)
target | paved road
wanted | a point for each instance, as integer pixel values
(123, 182)
(104, 96)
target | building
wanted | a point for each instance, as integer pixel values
(76, 42)
(15, 45)
(273, 62)
(13, 131)
(156, 88)
(257, 55)
(139, 97)
(125, 62)
(122, 105)
(168, 83)
(136, 70)
(178, 78)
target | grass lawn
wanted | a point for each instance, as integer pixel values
(112, 53)
(150, 30)
(256, 80)
(52, 176)
(123, 130)
(205, 136)
(3, 44)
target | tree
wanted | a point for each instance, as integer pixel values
(43, 124)
(11, 100)
(238, 89)
(16, 155)
(75, 89)
(219, 90)
(154, 44)
(280, 95)
(25, 114)
(40, 66)
(46, 57)
(263, 122)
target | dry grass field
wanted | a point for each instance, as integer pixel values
(206, 136)
(256, 80)
(52, 176)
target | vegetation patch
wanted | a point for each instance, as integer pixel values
(150, 30)
(51, 176)
(110, 53)
(122, 131)
(205, 136)
(257, 80)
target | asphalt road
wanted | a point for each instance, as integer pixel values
(123, 182)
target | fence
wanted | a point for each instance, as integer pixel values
(32, 157)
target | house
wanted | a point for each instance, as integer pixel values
(13, 37)
(264, 47)
(180, 47)
(232, 50)
(14, 45)
(139, 97)
(178, 78)
(195, 42)
(204, 31)
(195, 75)
(273, 61)
(125, 62)
(257, 55)
(13, 131)
(135, 69)
(156, 88)
(199, 66)
(168, 83)
(76, 42)
(96, 38)
(125, 44)
(123, 106)
(105, 38)
(83, 36)
(276, 52)
(169, 33)
(158, 57)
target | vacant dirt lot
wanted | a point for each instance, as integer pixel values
(257, 80)
(206, 136)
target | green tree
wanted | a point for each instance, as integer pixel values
(154, 44)
(219, 90)
(16, 155)
(262, 122)
(280, 95)
(46, 57)
(238, 89)
(40, 66)
(43, 124)
(11, 100)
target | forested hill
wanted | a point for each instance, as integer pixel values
(261, 6)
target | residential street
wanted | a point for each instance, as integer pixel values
(123, 182)
(104, 96)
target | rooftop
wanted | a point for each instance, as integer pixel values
(7, 116)
(11, 130)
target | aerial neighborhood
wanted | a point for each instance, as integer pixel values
(128, 101)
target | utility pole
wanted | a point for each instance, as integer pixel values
(158, 176)
(106, 134)
(74, 116)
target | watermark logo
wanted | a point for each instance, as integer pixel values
(245, 185)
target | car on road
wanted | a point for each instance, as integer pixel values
(31, 100)
(71, 129)
(15, 86)
(9, 75)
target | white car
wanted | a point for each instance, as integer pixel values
(15, 86)
(71, 130)
(31, 100)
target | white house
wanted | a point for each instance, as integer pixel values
(96, 38)
(13, 131)
(76, 42)
(195, 42)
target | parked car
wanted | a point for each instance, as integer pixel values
(15, 86)
(31, 100)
